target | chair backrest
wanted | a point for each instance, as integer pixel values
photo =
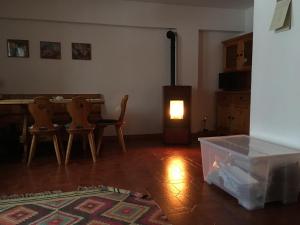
(41, 111)
(79, 109)
(123, 108)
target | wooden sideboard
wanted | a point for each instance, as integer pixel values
(233, 112)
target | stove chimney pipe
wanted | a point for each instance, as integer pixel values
(172, 36)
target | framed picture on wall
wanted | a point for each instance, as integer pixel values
(18, 48)
(50, 50)
(81, 51)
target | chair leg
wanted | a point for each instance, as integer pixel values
(32, 149)
(101, 130)
(70, 141)
(92, 145)
(121, 137)
(56, 147)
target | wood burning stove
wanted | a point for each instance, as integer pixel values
(176, 105)
(177, 114)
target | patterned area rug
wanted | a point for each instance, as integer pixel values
(93, 206)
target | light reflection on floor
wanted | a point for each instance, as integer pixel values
(176, 173)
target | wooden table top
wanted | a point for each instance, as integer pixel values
(61, 101)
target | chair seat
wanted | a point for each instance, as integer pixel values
(55, 125)
(33, 130)
(78, 129)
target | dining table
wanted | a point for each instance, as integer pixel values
(23, 103)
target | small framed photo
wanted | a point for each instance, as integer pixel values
(50, 50)
(81, 51)
(18, 48)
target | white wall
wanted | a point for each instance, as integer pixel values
(275, 107)
(210, 65)
(80, 16)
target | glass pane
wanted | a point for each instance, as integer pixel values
(176, 109)
(231, 55)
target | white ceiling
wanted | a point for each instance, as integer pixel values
(234, 4)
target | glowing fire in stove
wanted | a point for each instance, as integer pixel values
(176, 109)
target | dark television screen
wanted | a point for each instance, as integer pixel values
(235, 81)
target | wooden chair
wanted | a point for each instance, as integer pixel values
(117, 123)
(43, 126)
(79, 110)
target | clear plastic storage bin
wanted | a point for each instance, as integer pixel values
(252, 170)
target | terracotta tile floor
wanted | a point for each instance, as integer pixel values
(172, 175)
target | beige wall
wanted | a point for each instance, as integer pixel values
(249, 19)
(108, 25)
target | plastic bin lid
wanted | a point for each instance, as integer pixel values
(248, 146)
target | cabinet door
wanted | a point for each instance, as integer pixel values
(223, 119)
(238, 53)
(240, 120)
(230, 56)
(247, 54)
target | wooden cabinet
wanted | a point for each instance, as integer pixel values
(238, 53)
(233, 112)
(233, 107)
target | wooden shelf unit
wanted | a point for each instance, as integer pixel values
(233, 107)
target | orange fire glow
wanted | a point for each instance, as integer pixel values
(176, 109)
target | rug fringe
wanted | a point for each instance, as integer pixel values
(113, 189)
(101, 188)
(28, 195)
